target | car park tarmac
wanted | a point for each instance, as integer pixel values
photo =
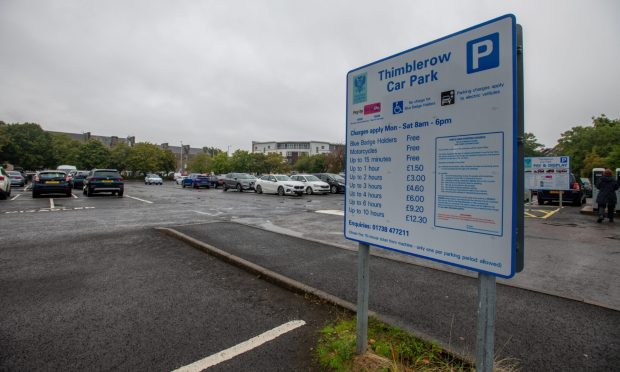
(568, 255)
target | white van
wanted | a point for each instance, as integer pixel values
(66, 168)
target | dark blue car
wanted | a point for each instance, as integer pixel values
(197, 180)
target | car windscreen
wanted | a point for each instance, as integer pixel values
(283, 178)
(245, 177)
(14, 174)
(49, 175)
(312, 178)
(337, 177)
(109, 174)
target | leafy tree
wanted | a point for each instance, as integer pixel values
(94, 154)
(4, 138)
(531, 146)
(167, 161)
(144, 158)
(276, 163)
(212, 151)
(601, 138)
(241, 161)
(119, 156)
(335, 160)
(220, 163)
(257, 164)
(199, 163)
(311, 164)
(27, 145)
(65, 149)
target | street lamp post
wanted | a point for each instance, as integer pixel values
(181, 165)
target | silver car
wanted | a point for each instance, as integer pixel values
(153, 179)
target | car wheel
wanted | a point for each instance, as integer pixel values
(84, 190)
(35, 195)
(334, 189)
(309, 190)
(183, 185)
(120, 194)
(541, 201)
(3, 196)
(281, 191)
(259, 189)
(69, 193)
(239, 187)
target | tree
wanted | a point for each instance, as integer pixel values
(241, 161)
(119, 156)
(276, 163)
(335, 160)
(65, 149)
(199, 163)
(531, 146)
(601, 138)
(4, 138)
(167, 161)
(144, 158)
(27, 145)
(220, 163)
(311, 164)
(94, 154)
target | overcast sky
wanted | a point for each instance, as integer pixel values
(224, 73)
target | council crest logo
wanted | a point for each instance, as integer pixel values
(360, 87)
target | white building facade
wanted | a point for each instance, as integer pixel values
(292, 150)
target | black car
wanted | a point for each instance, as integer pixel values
(576, 195)
(78, 179)
(335, 181)
(51, 182)
(104, 180)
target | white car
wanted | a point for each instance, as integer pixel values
(5, 184)
(313, 184)
(179, 179)
(279, 184)
(151, 179)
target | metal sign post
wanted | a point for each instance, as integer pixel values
(485, 330)
(362, 298)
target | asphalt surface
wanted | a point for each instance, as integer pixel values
(142, 301)
(89, 251)
(542, 332)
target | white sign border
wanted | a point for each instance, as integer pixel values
(513, 230)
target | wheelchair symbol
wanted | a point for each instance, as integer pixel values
(397, 107)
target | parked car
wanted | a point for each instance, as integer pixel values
(575, 195)
(587, 186)
(51, 182)
(239, 181)
(335, 181)
(279, 184)
(104, 180)
(313, 184)
(179, 179)
(153, 179)
(17, 179)
(78, 179)
(196, 180)
(220, 180)
(5, 184)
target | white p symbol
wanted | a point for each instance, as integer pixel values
(481, 50)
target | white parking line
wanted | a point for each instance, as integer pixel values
(16, 196)
(75, 196)
(241, 348)
(331, 211)
(142, 200)
(208, 214)
(51, 203)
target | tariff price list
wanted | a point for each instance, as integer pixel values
(416, 182)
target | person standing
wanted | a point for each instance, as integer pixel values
(607, 187)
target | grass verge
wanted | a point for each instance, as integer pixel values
(389, 349)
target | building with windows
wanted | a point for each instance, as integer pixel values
(292, 150)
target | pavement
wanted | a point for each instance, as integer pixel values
(542, 332)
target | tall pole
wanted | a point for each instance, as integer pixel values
(181, 165)
(362, 298)
(485, 329)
